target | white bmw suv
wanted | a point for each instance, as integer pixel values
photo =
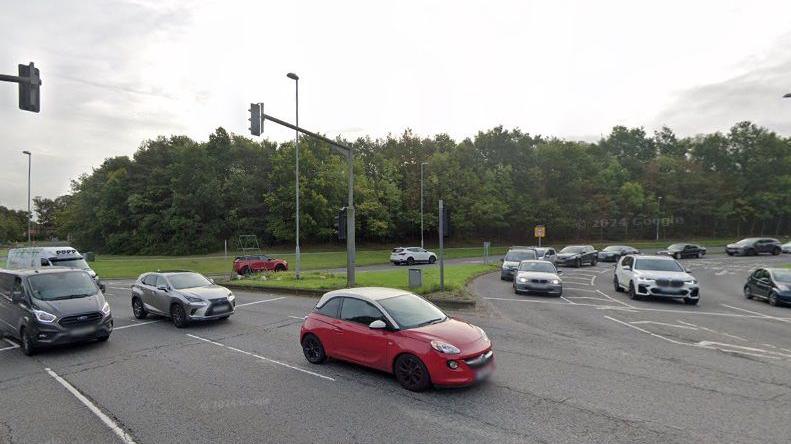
(411, 255)
(655, 276)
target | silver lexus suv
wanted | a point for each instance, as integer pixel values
(182, 296)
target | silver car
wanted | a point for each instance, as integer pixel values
(182, 296)
(538, 276)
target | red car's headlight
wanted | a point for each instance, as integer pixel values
(444, 347)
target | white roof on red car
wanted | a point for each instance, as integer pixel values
(370, 293)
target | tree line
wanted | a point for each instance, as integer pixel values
(176, 195)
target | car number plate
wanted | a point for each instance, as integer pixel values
(83, 331)
(222, 308)
(484, 372)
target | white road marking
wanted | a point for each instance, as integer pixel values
(122, 435)
(297, 317)
(758, 314)
(12, 347)
(578, 289)
(720, 273)
(613, 299)
(646, 331)
(724, 347)
(263, 358)
(593, 280)
(566, 300)
(664, 323)
(582, 274)
(260, 302)
(136, 325)
(120, 288)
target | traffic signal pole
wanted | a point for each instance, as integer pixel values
(347, 152)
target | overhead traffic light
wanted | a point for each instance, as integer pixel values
(256, 122)
(29, 88)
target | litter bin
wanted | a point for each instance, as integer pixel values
(415, 277)
(90, 256)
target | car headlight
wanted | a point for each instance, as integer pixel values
(555, 281)
(106, 309)
(231, 297)
(692, 282)
(44, 317)
(483, 334)
(444, 347)
(195, 300)
(522, 279)
(644, 279)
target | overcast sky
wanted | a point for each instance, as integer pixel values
(118, 72)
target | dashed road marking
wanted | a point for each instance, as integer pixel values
(687, 327)
(262, 358)
(119, 432)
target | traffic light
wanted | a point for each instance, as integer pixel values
(256, 123)
(29, 88)
(342, 223)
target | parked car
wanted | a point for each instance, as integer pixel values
(182, 296)
(512, 259)
(612, 253)
(753, 246)
(538, 277)
(577, 256)
(38, 257)
(52, 306)
(683, 251)
(246, 265)
(399, 333)
(786, 247)
(412, 255)
(770, 284)
(659, 276)
(546, 254)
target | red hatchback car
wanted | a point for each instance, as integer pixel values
(397, 332)
(256, 264)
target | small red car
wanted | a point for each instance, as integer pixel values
(255, 264)
(397, 332)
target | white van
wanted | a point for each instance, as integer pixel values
(38, 257)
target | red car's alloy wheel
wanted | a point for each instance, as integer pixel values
(313, 350)
(411, 373)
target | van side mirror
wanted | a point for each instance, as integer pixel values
(560, 272)
(17, 297)
(377, 324)
(626, 267)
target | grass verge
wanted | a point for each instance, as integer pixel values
(456, 279)
(109, 267)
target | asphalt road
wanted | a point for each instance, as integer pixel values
(593, 366)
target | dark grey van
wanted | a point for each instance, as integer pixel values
(52, 306)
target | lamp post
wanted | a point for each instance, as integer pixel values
(422, 164)
(29, 214)
(295, 78)
(658, 213)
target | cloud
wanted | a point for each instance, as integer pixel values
(754, 95)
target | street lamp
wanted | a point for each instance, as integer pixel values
(29, 214)
(422, 164)
(658, 213)
(295, 78)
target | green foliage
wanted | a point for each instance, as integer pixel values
(179, 196)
